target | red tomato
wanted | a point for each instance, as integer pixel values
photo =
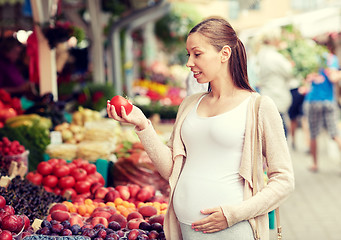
(119, 101)
(66, 182)
(44, 168)
(71, 166)
(62, 161)
(79, 174)
(90, 168)
(48, 189)
(53, 161)
(35, 178)
(50, 181)
(79, 162)
(96, 177)
(82, 186)
(61, 170)
(57, 191)
(70, 191)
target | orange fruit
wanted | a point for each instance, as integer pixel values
(82, 210)
(118, 201)
(88, 201)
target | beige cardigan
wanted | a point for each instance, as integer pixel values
(169, 160)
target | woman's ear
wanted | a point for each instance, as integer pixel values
(225, 53)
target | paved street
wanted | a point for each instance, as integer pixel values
(313, 211)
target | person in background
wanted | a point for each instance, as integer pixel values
(11, 78)
(295, 112)
(274, 72)
(209, 157)
(321, 103)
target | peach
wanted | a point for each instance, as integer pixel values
(101, 192)
(101, 220)
(124, 191)
(133, 189)
(58, 206)
(94, 187)
(159, 218)
(145, 193)
(111, 189)
(134, 223)
(111, 196)
(60, 215)
(104, 214)
(147, 211)
(118, 218)
(76, 219)
(108, 209)
(133, 215)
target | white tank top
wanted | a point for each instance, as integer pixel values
(210, 177)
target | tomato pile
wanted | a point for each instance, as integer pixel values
(10, 151)
(9, 107)
(61, 177)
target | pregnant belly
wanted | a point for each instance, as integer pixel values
(194, 193)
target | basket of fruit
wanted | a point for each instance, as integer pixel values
(12, 151)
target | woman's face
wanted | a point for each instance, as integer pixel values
(203, 59)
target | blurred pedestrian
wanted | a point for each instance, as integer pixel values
(274, 72)
(321, 104)
(11, 78)
(210, 156)
(296, 113)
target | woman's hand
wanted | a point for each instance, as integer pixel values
(136, 117)
(214, 222)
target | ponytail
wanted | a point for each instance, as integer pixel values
(238, 66)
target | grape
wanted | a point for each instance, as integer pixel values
(19, 196)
